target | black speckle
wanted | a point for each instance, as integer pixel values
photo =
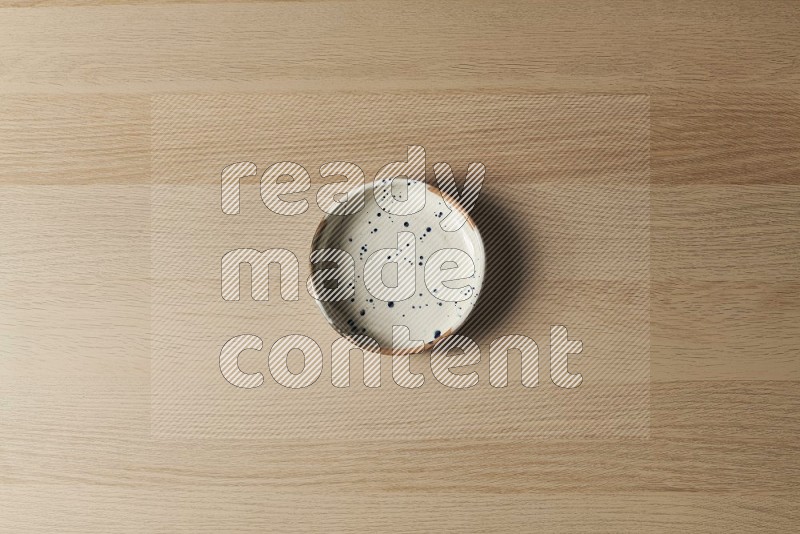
(420, 263)
(362, 312)
(428, 229)
(440, 304)
(436, 334)
(405, 224)
(379, 215)
(391, 304)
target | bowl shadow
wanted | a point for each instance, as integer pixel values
(510, 261)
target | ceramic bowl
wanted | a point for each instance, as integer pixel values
(372, 231)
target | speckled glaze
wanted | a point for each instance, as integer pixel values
(428, 318)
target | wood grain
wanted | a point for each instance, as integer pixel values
(76, 453)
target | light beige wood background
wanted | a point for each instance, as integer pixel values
(75, 447)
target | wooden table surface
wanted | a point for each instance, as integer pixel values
(76, 448)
